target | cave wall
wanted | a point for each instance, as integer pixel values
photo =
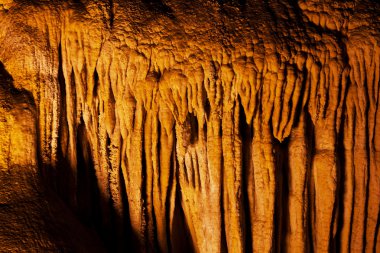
(208, 126)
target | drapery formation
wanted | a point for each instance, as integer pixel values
(204, 125)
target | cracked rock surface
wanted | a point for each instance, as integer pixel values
(189, 126)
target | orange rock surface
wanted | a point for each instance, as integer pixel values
(189, 126)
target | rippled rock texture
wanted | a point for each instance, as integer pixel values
(199, 126)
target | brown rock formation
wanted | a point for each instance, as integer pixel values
(205, 125)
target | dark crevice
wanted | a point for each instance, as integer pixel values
(90, 205)
(126, 238)
(246, 133)
(231, 2)
(73, 96)
(180, 238)
(61, 178)
(273, 15)
(108, 211)
(336, 247)
(300, 105)
(159, 7)
(96, 83)
(192, 119)
(111, 13)
(87, 189)
(281, 214)
(206, 103)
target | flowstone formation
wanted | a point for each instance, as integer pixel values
(199, 126)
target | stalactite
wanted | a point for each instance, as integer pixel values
(243, 126)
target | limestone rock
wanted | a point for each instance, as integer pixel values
(205, 126)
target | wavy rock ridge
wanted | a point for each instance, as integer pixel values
(208, 126)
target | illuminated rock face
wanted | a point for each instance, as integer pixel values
(206, 126)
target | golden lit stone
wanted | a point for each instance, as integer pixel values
(175, 126)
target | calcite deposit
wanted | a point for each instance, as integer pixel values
(189, 126)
